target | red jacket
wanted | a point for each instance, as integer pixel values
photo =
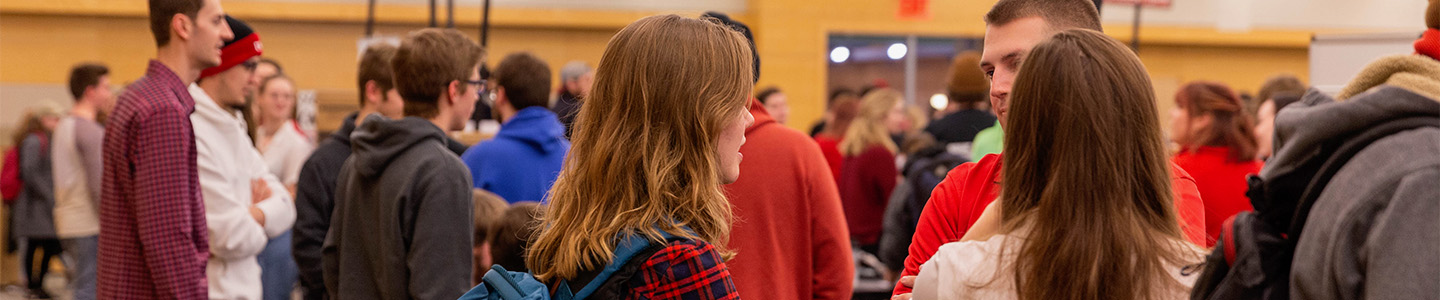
(789, 232)
(830, 147)
(966, 190)
(1221, 182)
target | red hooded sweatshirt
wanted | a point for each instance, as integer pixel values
(789, 232)
(959, 199)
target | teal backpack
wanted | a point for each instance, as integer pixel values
(501, 284)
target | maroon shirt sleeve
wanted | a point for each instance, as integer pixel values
(164, 202)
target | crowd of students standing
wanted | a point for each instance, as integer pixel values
(196, 181)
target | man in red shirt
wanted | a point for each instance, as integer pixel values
(153, 240)
(1012, 28)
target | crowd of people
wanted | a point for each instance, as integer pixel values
(668, 175)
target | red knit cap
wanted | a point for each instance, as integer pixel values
(245, 45)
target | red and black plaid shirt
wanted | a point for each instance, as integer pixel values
(153, 242)
(688, 270)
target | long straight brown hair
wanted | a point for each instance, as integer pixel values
(643, 159)
(1086, 175)
(1229, 127)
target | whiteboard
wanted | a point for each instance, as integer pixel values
(1336, 58)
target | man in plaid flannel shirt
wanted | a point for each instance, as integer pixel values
(153, 243)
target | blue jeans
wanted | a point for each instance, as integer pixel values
(278, 271)
(80, 252)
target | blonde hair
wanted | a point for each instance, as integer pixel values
(868, 128)
(643, 159)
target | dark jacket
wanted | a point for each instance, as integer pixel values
(1372, 232)
(35, 207)
(522, 161)
(960, 126)
(401, 223)
(314, 202)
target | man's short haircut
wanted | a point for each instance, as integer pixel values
(526, 80)
(1280, 84)
(375, 66)
(84, 76)
(766, 93)
(161, 11)
(427, 62)
(573, 70)
(1059, 14)
(489, 208)
(272, 62)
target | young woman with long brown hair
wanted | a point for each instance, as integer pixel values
(1085, 210)
(657, 137)
(1217, 147)
(869, 173)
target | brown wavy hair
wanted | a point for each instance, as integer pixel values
(1086, 175)
(643, 159)
(1230, 126)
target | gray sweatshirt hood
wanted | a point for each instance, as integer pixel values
(378, 141)
(1300, 129)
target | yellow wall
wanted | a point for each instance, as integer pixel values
(39, 40)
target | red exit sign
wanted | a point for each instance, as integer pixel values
(913, 10)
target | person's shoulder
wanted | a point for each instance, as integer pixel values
(777, 133)
(683, 248)
(433, 157)
(684, 253)
(974, 257)
(330, 155)
(493, 149)
(970, 252)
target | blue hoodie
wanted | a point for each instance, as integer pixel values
(522, 161)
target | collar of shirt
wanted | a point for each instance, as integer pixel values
(165, 77)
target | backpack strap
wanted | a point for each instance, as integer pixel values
(503, 285)
(625, 250)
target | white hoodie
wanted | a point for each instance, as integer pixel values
(227, 163)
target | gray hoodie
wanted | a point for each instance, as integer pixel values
(1374, 232)
(401, 228)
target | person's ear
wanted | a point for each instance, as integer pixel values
(500, 98)
(182, 25)
(373, 94)
(453, 91)
(1202, 121)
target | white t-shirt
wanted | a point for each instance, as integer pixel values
(286, 153)
(968, 270)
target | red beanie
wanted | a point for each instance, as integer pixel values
(1429, 44)
(245, 45)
